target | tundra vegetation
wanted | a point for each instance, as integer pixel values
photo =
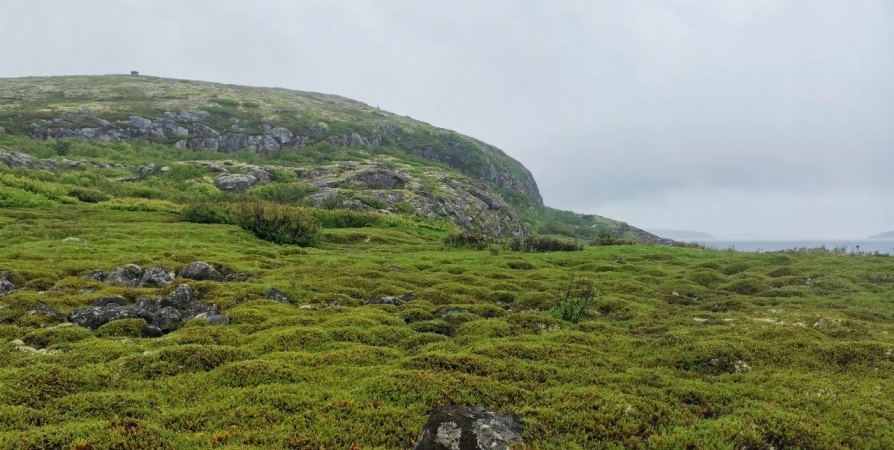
(592, 340)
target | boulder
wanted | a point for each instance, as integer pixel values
(235, 183)
(16, 159)
(152, 331)
(167, 319)
(201, 271)
(469, 428)
(156, 277)
(182, 297)
(106, 301)
(217, 319)
(377, 178)
(385, 300)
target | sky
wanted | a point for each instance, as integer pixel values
(747, 119)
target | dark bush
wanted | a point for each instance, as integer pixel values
(543, 244)
(88, 195)
(606, 236)
(288, 193)
(470, 240)
(210, 212)
(345, 218)
(278, 223)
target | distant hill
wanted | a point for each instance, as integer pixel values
(344, 148)
(887, 235)
(682, 235)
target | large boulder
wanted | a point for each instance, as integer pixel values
(201, 271)
(469, 428)
(235, 183)
(127, 275)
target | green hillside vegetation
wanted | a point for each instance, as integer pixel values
(681, 348)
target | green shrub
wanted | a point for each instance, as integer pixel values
(469, 240)
(210, 212)
(203, 190)
(543, 244)
(345, 218)
(287, 193)
(279, 224)
(605, 236)
(372, 202)
(575, 301)
(88, 195)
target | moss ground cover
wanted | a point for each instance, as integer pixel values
(682, 348)
(679, 348)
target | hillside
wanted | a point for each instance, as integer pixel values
(883, 236)
(495, 194)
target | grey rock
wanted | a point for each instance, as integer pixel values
(354, 140)
(149, 304)
(156, 276)
(152, 331)
(469, 428)
(128, 274)
(2, 130)
(193, 116)
(43, 309)
(277, 296)
(182, 297)
(237, 277)
(261, 176)
(444, 312)
(235, 183)
(6, 285)
(217, 319)
(16, 159)
(201, 271)
(386, 300)
(377, 178)
(167, 319)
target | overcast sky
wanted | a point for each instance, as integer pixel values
(742, 118)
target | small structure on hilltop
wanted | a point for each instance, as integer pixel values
(134, 73)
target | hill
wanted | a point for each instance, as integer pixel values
(404, 163)
(883, 236)
(681, 235)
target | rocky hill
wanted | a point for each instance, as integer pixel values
(395, 159)
(883, 236)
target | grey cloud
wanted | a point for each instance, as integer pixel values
(638, 108)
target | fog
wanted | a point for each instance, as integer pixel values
(745, 119)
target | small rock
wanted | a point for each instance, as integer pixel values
(128, 274)
(167, 319)
(106, 301)
(451, 311)
(152, 331)
(201, 271)
(277, 296)
(237, 277)
(6, 286)
(43, 309)
(217, 319)
(235, 183)
(469, 428)
(387, 300)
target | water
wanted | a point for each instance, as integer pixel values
(851, 246)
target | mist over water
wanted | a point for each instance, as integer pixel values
(849, 246)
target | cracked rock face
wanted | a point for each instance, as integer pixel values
(469, 428)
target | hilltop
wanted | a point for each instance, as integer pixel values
(403, 162)
(883, 236)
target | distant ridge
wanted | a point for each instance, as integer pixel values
(681, 235)
(886, 235)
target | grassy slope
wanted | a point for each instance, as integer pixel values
(645, 369)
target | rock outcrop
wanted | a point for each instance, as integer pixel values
(161, 315)
(469, 428)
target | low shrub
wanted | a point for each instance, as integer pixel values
(606, 236)
(278, 223)
(345, 218)
(88, 195)
(141, 204)
(575, 301)
(543, 244)
(287, 193)
(210, 212)
(469, 240)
